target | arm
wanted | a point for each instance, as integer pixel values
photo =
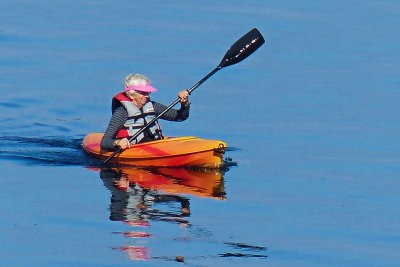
(117, 120)
(172, 114)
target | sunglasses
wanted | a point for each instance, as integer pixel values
(143, 93)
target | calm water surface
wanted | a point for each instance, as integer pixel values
(312, 119)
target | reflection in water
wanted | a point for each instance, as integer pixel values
(249, 251)
(137, 195)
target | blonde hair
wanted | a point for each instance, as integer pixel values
(135, 79)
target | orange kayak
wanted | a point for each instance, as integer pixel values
(169, 152)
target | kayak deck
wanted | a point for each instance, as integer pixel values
(169, 152)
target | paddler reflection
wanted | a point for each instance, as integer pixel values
(136, 192)
(140, 196)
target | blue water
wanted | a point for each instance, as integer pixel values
(312, 117)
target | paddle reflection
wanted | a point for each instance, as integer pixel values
(140, 196)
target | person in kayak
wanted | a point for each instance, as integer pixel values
(133, 109)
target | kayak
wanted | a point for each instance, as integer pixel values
(169, 152)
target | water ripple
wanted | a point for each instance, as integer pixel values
(45, 150)
(10, 105)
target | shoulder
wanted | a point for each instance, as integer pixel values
(119, 110)
(116, 101)
(121, 96)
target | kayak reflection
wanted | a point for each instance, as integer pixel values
(135, 192)
(140, 196)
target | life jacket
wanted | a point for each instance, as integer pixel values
(137, 119)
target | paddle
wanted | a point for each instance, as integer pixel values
(240, 50)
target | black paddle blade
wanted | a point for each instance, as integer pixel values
(243, 48)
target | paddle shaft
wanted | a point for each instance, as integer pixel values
(165, 111)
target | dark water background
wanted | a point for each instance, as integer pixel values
(313, 116)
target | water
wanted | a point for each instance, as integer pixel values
(312, 117)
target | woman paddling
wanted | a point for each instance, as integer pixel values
(133, 109)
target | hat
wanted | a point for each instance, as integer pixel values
(141, 87)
